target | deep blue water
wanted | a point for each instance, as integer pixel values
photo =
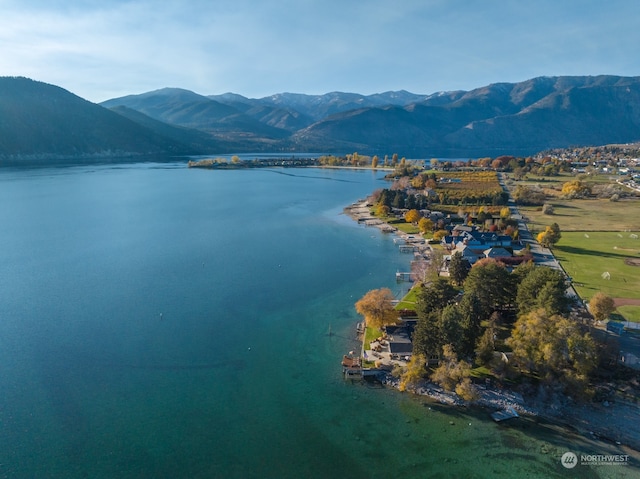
(157, 321)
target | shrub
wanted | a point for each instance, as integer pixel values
(547, 209)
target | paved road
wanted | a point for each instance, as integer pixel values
(541, 255)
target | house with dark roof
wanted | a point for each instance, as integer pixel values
(399, 337)
(475, 239)
(497, 253)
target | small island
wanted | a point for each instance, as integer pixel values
(235, 163)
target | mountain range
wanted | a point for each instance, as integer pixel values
(38, 120)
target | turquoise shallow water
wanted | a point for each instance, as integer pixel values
(160, 322)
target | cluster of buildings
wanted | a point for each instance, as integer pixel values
(474, 245)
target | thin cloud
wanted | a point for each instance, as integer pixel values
(104, 49)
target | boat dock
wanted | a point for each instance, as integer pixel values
(403, 276)
(351, 366)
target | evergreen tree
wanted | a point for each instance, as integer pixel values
(426, 335)
(398, 199)
(435, 296)
(459, 268)
(472, 317)
(542, 287)
(489, 280)
(450, 328)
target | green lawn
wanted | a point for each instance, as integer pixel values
(371, 334)
(405, 227)
(400, 224)
(630, 313)
(409, 300)
(587, 256)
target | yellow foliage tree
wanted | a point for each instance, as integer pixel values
(414, 372)
(412, 216)
(550, 236)
(574, 189)
(451, 373)
(382, 210)
(438, 235)
(466, 390)
(425, 225)
(418, 181)
(601, 306)
(555, 347)
(377, 308)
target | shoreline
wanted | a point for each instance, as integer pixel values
(614, 423)
(589, 421)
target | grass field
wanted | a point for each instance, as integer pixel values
(587, 256)
(630, 313)
(580, 214)
(587, 215)
(405, 227)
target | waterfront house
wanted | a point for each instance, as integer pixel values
(399, 338)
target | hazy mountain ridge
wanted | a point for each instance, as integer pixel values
(518, 118)
(188, 109)
(40, 120)
(502, 118)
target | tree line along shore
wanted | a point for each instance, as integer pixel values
(492, 324)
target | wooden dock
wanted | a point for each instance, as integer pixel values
(403, 276)
(352, 368)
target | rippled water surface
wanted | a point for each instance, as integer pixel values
(157, 321)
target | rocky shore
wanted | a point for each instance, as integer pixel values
(616, 423)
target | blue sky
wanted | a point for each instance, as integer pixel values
(105, 49)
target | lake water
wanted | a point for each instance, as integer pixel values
(164, 322)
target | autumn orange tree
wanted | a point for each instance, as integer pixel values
(377, 308)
